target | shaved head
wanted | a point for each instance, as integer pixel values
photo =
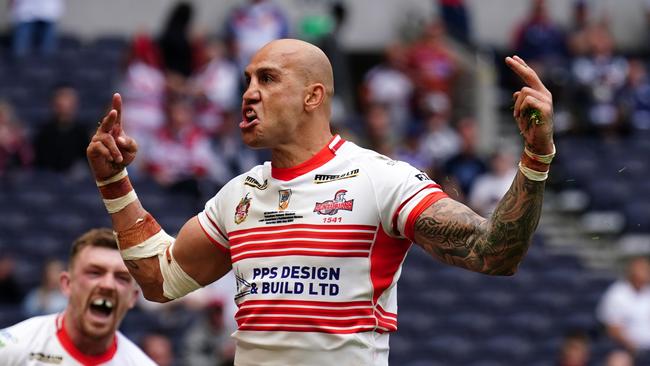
(308, 60)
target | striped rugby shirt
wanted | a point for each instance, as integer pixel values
(317, 250)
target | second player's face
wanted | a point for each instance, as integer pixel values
(273, 101)
(100, 291)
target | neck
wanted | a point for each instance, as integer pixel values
(300, 149)
(84, 344)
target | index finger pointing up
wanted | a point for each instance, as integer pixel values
(109, 121)
(525, 73)
(117, 106)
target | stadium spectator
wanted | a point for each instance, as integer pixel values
(215, 86)
(456, 18)
(434, 67)
(440, 141)
(297, 304)
(539, 39)
(389, 84)
(467, 165)
(35, 23)
(180, 154)
(252, 25)
(637, 96)
(61, 142)
(575, 350)
(619, 358)
(15, 148)
(100, 291)
(624, 308)
(159, 348)
(143, 88)
(578, 44)
(179, 51)
(11, 292)
(490, 187)
(377, 122)
(47, 298)
(600, 78)
(208, 341)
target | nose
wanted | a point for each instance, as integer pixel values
(251, 94)
(107, 282)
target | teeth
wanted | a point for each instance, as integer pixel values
(103, 302)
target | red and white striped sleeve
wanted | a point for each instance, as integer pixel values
(403, 193)
(212, 225)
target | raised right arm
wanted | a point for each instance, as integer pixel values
(163, 270)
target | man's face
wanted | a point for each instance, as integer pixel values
(100, 291)
(273, 101)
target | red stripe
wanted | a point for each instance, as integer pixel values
(307, 303)
(399, 209)
(338, 145)
(316, 161)
(301, 252)
(299, 245)
(267, 310)
(417, 211)
(302, 234)
(216, 243)
(216, 227)
(384, 312)
(386, 257)
(310, 321)
(280, 328)
(272, 229)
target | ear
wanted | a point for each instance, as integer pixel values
(315, 96)
(64, 283)
(134, 298)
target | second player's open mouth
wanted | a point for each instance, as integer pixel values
(249, 118)
(101, 307)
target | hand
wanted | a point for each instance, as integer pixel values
(110, 149)
(533, 109)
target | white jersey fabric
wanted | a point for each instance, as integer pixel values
(624, 306)
(317, 250)
(43, 341)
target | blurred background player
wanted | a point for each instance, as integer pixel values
(100, 291)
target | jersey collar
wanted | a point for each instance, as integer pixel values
(76, 353)
(323, 156)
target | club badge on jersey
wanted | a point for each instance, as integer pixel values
(241, 211)
(285, 195)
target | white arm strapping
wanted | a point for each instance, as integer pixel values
(176, 283)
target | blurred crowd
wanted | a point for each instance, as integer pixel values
(181, 93)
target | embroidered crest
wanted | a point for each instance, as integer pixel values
(241, 211)
(285, 195)
(331, 207)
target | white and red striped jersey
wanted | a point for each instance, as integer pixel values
(43, 340)
(317, 250)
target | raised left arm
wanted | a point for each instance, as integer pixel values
(456, 235)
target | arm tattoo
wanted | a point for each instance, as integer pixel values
(452, 232)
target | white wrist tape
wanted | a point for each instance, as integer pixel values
(546, 159)
(113, 179)
(176, 283)
(151, 247)
(117, 204)
(533, 174)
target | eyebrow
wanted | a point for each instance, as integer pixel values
(269, 69)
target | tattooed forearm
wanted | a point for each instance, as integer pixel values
(455, 234)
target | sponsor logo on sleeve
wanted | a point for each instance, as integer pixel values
(44, 358)
(241, 211)
(422, 176)
(332, 207)
(252, 182)
(326, 178)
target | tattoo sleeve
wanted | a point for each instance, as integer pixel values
(455, 234)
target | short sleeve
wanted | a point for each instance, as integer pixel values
(610, 306)
(402, 193)
(211, 221)
(12, 352)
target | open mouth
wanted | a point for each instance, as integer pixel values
(249, 118)
(101, 307)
